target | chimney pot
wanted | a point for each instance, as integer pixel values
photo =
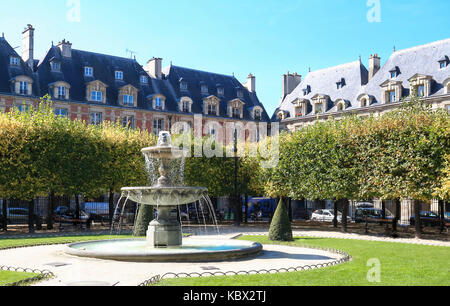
(28, 46)
(154, 68)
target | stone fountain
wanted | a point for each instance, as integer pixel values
(164, 242)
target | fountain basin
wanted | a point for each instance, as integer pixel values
(164, 196)
(137, 250)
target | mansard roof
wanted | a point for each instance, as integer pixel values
(9, 72)
(323, 82)
(195, 78)
(420, 60)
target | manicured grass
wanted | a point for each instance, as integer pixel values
(401, 265)
(9, 277)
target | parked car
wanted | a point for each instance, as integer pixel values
(69, 217)
(362, 214)
(428, 218)
(326, 215)
(99, 212)
(20, 216)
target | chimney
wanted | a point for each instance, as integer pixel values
(28, 46)
(66, 48)
(251, 83)
(374, 65)
(154, 68)
(290, 82)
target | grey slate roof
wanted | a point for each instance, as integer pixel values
(104, 66)
(324, 82)
(8, 72)
(423, 60)
(196, 78)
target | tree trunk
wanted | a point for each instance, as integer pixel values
(31, 217)
(290, 209)
(345, 204)
(77, 207)
(417, 219)
(111, 206)
(442, 215)
(335, 220)
(5, 214)
(397, 218)
(246, 209)
(50, 210)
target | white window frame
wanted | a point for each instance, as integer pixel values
(119, 75)
(128, 100)
(128, 121)
(88, 71)
(158, 125)
(55, 66)
(61, 112)
(144, 79)
(14, 61)
(23, 87)
(96, 96)
(96, 118)
(62, 91)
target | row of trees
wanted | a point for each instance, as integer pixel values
(45, 155)
(403, 154)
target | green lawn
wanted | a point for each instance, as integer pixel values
(9, 277)
(401, 265)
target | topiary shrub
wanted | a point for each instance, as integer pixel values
(280, 228)
(145, 216)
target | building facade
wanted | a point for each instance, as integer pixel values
(353, 89)
(97, 87)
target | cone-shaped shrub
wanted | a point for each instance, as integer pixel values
(280, 229)
(145, 216)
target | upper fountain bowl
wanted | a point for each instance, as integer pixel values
(164, 196)
(164, 149)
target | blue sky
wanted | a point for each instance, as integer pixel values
(264, 37)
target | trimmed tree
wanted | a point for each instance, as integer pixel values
(280, 228)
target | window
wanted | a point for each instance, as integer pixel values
(392, 96)
(144, 79)
(340, 84)
(363, 103)
(186, 107)
(421, 91)
(257, 114)
(340, 107)
(212, 110)
(319, 108)
(393, 74)
(128, 100)
(55, 66)
(96, 118)
(61, 112)
(23, 88)
(220, 91)
(14, 61)
(183, 86)
(23, 108)
(442, 65)
(119, 75)
(96, 96)
(158, 103)
(204, 88)
(240, 94)
(236, 112)
(88, 71)
(128, 122)
(158, 125)
(61, 92)
(298, 111)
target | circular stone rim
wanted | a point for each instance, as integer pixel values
(253, 248)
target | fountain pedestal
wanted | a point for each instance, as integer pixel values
(164, 231)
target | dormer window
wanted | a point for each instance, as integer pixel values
(23, 88)
(128, 100)
(186, 107)
(158, 103)
(183, 86)
(204, 89)
(220, 91)
(88, 71)
(144, 79)
(14, 61)
(236, 112)
(421, 91)
(443, 62)
(119, 75)
(306, 90)
(96, 96)
(62, 92)
(55, 66)
(394, 72)
(212, 110)
(392, 96)
(257, 114)
(340, 84)
(240, 94)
